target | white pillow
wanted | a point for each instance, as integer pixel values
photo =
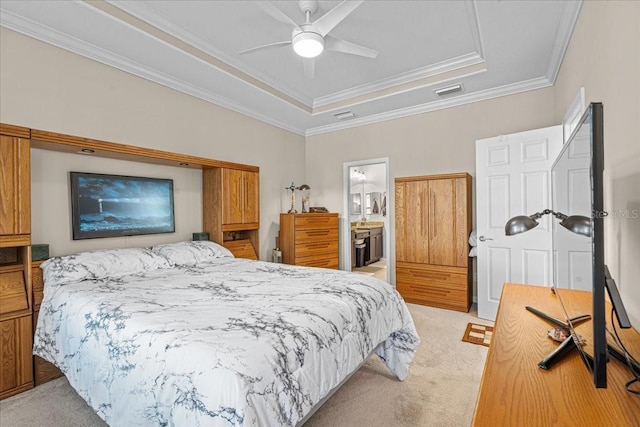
(100, 264)
(191, 253)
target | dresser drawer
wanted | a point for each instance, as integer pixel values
(241, 248)
(13, 290)
(321, 262)
(316, 221)
(434, 294)
(316, 235)
(328, 249)
(453, 277)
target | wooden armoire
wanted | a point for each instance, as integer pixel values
(433, 222)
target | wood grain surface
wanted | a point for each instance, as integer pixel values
(515, 392)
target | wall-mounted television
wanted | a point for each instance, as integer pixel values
(116, 205)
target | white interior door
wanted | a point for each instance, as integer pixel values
(513, 178)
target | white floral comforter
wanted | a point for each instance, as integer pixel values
(229, 342)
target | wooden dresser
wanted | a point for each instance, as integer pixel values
(515, 392)
(433, 222)
(310, 239)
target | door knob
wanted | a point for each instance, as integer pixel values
(482, 238)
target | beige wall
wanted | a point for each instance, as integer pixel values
(604, 58)
(47, 88)
(430, 143)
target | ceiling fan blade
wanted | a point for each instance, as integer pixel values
(309, 67)
(279, 15)
(266, 46)
(338, 45)
(329, 20)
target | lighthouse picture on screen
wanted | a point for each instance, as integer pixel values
(115, 205)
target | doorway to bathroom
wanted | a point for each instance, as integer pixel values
(365, 232)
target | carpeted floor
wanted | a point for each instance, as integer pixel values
(377, 269)
(441, 388)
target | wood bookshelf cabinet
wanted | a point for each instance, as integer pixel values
(231, 206)
(16, 317)
(310, 239)
(15, 186)
(433, 222)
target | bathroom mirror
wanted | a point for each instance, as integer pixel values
(373, 203)
(356, 204)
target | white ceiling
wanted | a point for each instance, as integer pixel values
(491, 47)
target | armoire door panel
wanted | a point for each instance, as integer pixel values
(417, 219)
(401, 223)
(442, 222)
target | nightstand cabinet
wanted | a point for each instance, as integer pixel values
(231, 208)
(43, 371)
(310, 239)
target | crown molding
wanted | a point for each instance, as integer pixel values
(399, 79)
(152, 17)
(64, 41)
(484, 95)
(472, 58)
(568, 19)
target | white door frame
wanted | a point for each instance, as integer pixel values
(345, 232)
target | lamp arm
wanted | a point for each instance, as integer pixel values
(539, 215)
(559, 215)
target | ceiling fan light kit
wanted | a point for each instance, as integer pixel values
(307, 44)
(310, 39)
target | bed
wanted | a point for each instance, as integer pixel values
(185, 334)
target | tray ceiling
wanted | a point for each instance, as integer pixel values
(490, 48)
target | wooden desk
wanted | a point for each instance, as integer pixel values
(515, 392)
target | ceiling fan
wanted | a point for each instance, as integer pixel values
(310, 39)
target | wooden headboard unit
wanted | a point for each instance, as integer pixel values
(230, 214)
(75, 144)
